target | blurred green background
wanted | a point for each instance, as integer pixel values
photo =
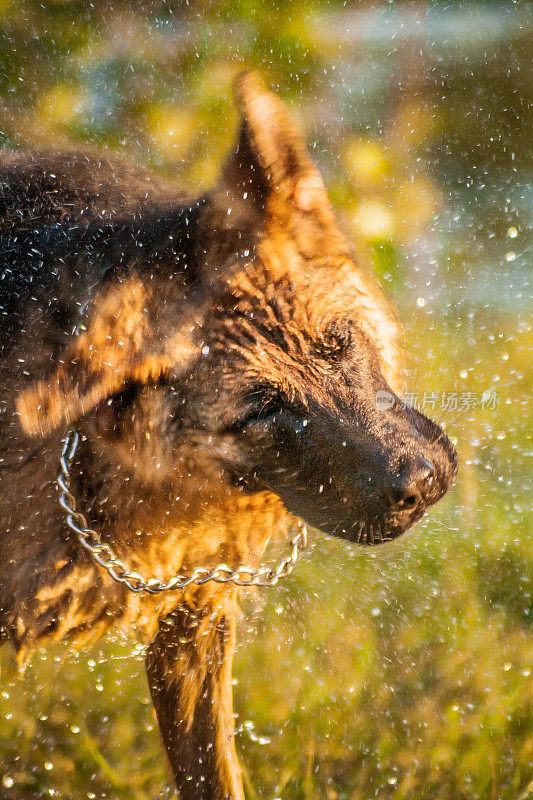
(402, 672)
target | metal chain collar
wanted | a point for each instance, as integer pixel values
(104, 555)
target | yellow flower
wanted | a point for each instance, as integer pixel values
(61, 104)
(171, 129)
(366, 162)
(373, 220)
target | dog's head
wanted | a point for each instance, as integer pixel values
(274, 370)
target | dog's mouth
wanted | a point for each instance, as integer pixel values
(368, 532)
(365, 520)
(363, 531)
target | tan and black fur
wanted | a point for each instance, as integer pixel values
(221, 358)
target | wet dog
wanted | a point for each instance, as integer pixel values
(220, 360)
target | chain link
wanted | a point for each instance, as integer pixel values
(104, 555)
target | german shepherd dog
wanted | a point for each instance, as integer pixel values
(219, 359)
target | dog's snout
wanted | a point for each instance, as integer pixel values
(409, 488)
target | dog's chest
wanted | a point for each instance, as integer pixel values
(55, 590)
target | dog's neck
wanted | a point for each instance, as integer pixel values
(156, 530)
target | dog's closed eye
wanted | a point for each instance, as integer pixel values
(269, 407)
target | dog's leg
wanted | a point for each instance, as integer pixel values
(189, 671)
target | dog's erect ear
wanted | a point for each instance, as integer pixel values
(272, 164)
(117, 345)
(272, 135)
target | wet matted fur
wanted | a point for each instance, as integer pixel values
(221, 359)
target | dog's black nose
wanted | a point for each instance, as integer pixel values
(409, 488)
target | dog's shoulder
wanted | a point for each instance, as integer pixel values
(68, 218)
(47, 187)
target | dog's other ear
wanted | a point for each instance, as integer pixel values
(117, 345)
(272, 167)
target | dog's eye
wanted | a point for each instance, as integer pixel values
(263, 409)
(268, 408)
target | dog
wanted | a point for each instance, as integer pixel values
(218, 361)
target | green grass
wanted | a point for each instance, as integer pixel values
(398, 673)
